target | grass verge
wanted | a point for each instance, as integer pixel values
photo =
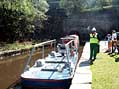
(105, 72)
(15, 46)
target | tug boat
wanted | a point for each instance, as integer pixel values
(54, 71)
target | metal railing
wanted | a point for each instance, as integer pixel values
(68, 53)
(50, 42)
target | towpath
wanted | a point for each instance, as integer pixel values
(83, 75)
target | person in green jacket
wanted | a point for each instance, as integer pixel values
(94, 44)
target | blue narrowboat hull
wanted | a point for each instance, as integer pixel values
(46, 84)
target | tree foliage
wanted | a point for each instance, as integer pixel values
(84, 5)
(16, 17)
(30, 8)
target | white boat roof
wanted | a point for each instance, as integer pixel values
(68, 38)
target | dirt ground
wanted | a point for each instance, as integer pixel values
(12, 67)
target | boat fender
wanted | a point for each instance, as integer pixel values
(52, 54)
(39, 64)
(59, 69)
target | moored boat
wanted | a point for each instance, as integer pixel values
(54, 71)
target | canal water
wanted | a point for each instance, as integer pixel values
(12, 67)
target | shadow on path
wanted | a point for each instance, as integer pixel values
(84, 63)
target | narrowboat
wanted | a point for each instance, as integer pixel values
(56, 70)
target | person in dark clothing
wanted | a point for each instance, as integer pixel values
(114, 41)
(118, 42)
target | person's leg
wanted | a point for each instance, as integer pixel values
(95, 50)
(108, 45)
(112, 47)
(118, 48)
(115, 46)
(91, 51)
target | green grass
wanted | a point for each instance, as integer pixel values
(15, 46)
(105, 72)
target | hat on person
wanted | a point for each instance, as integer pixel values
(108, 34)
(113, 31)
(93, 29)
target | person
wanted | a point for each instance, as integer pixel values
(117, 41)
(109, 40)
(114, 41)
(94, 44)
(76, 41)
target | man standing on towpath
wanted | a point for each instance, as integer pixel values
(94, 44)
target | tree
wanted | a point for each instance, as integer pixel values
(16, 17)
(83, 5)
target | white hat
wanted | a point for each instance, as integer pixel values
(93, 29)
(113, 31)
